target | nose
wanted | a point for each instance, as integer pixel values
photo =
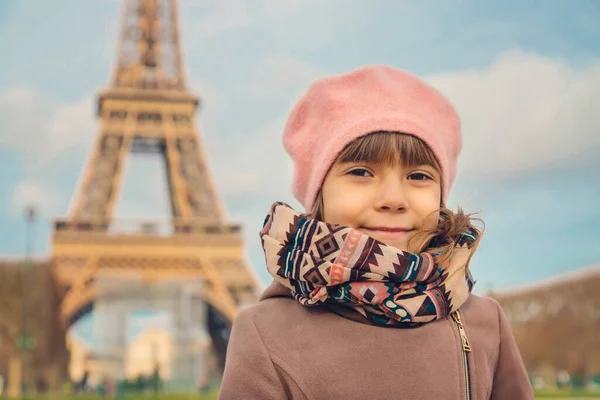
(392, 196)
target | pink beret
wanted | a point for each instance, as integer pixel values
(336, 110)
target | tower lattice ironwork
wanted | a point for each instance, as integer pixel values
(148, 109)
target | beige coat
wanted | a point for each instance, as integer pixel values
(280, 349)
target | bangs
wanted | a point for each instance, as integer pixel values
(390, 148)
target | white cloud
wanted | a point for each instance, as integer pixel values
(525, 112)
(316, 24)
(41, 128)
(48, 136)
(72, 127)
(297, 23)
(212, 100)
(44, 198)
(206, 18)
(277, 75)
(22, 113)
(256, 166)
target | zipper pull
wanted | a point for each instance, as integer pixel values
(463, 334)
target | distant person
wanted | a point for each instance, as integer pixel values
(41, 385)
(371, 296)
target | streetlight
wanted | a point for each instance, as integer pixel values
(24, 341)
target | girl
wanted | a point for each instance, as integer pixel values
(371, 296)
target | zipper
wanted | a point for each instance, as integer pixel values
(466, 347)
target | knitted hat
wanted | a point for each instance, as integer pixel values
(336, 110)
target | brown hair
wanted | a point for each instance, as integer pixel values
(392, 148)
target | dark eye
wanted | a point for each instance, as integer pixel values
(419, 176)
(360, 172)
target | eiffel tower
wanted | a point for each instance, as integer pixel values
(147, 109)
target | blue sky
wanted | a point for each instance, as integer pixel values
(525, 79)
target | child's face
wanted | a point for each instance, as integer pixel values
(385, 202)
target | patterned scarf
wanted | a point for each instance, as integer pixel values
(341, 266)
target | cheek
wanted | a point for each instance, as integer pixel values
(426, 207)
(339, 209)
(341, 206)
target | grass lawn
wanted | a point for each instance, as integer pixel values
(133, 396)
(563, 397)
(213, 396)
(567, 395)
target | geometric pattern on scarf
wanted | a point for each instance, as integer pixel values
(325, 263)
